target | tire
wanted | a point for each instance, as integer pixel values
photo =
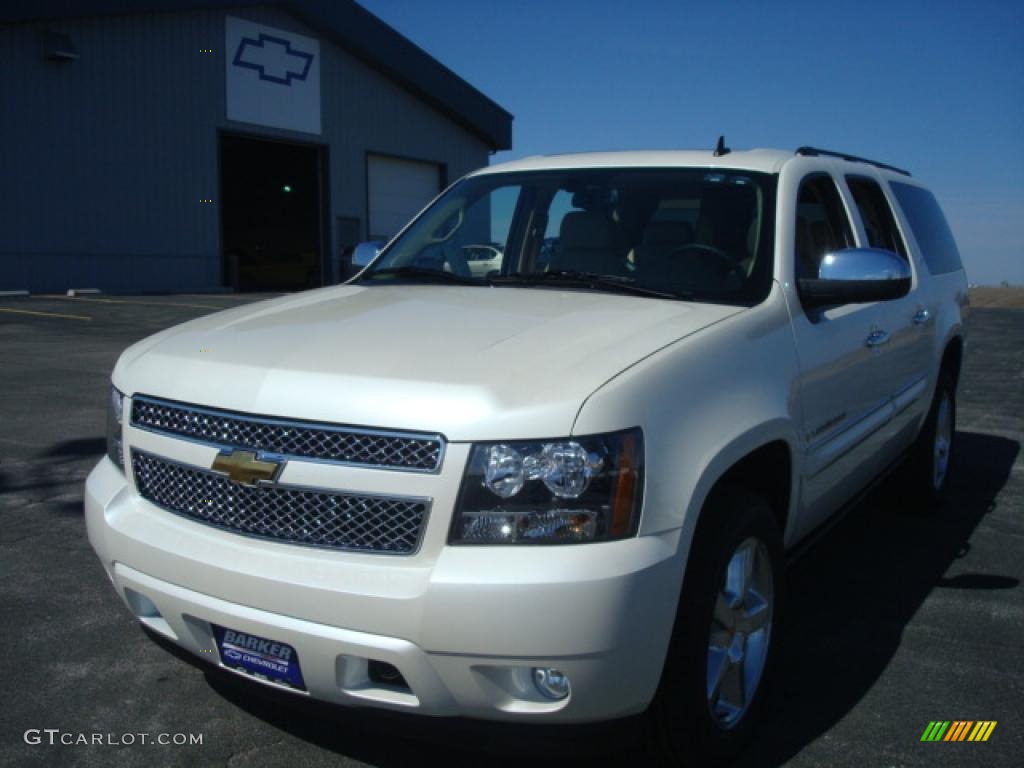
(689, 725)
(927, 472)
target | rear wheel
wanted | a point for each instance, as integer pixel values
(927, 472)
(720, 659)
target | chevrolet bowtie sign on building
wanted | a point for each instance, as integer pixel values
(273, 76)
(274, 59)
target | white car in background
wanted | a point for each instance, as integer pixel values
(558, 493)
(482, 259)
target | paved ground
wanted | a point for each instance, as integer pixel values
(896, 619)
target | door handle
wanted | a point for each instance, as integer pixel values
(877, 338)
(921, 317)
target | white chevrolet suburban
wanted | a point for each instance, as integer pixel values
(561, 490)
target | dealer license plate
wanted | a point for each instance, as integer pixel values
(268, 660)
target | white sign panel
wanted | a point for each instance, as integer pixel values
(273, 76)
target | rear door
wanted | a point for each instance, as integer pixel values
(844, 402)
(904, 359)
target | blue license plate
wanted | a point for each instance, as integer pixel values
(266, 659)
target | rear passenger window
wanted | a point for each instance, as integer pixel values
(822, 225)
(875, 213)
(931, 231)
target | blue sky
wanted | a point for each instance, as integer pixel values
(936, 87)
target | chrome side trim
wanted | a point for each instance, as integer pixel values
(829, 449)
(906, 396)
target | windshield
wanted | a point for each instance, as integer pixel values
(698, 234)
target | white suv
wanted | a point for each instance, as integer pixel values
(558, 491)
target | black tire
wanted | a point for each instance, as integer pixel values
(684, 729)
(924, 485)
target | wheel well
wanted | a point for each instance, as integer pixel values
(953, 357)
(766, 471)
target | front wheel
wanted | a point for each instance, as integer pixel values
(720, 658)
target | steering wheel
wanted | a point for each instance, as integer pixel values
(438, 257)
(732, 266)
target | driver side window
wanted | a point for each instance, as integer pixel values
(822, 225)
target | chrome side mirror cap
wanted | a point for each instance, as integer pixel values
(366, 252)
(857, 276)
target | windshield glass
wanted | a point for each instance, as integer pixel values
(698, 234)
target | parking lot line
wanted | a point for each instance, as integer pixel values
(231, 296)
(128, 301)
(45, 314)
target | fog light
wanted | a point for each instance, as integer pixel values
(386, 674)
(551, 682)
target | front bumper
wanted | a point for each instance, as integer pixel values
(457, 622)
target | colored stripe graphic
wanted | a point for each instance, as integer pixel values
(935, 730)
(982, 730)
(958, 730)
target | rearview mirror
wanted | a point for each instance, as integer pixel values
(856, 276)
(366, 252)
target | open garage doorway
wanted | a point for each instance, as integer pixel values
(271, 214)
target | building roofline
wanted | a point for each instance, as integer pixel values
(343, 22)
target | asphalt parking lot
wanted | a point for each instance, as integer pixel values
(895, 619)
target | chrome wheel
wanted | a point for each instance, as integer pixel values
(740, 632)
(943, 441)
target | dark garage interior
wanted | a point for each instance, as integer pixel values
(270, 205)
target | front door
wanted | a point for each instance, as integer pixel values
(843, 400)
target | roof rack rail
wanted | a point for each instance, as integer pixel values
(815, 152)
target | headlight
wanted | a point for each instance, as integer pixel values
(115, 415)
(551, 492)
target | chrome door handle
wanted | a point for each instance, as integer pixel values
(921, 317)
(877, 339)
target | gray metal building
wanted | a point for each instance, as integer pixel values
(189, 146)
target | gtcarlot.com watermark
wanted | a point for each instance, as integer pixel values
(55, 736)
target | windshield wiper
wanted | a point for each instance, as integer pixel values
(594, 280)
(436, 275)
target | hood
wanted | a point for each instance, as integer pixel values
(471, 363)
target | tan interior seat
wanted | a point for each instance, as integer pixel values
(588, 242)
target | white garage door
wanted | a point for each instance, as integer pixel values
(398, 191)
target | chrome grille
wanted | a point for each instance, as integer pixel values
(312, 517)
(324, 442)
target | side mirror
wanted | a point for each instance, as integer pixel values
(856, 276)
(366, 252)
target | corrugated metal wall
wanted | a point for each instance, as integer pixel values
(104, 161)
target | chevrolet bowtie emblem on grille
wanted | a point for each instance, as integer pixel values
(244, 467)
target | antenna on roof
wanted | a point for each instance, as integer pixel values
(720, 148)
